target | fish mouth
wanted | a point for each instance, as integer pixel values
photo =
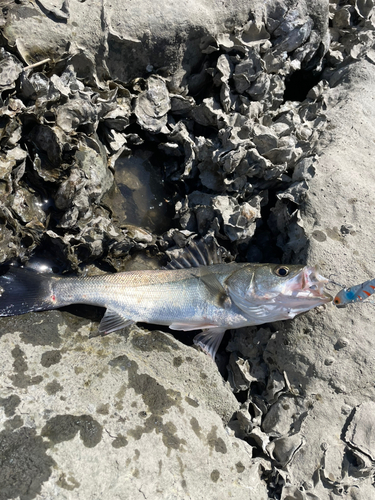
(308, 283)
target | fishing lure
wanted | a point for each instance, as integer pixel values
(356, 293)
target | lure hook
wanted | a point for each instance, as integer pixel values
(335, 282)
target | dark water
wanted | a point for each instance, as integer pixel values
(141, 197)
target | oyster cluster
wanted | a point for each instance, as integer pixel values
(231, 154)
(351, 33)
(230, 146)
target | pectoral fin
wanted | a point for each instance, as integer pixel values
(214, 285)
(209, 340)
(113, 321)
(216, 289)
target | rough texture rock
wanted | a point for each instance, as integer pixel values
(102, 417)
(324, 400)
(343, 232)
(107, 39)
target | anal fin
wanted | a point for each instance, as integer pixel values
(210, 340)
(113, 321)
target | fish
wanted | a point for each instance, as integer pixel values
(197, 290)
(356, 293)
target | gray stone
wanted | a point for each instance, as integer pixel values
(108, 399)
(360, 433)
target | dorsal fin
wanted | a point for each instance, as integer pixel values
(195, 254)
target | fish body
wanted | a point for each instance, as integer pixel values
(354, 294)
(212, 298)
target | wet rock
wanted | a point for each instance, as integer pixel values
(52, 141)
(85, 183)
(75, 113)
(28, 208)
(364, 7)
(10, 70)
(25, 465)
(341, 18)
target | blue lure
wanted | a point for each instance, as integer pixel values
(356, 293)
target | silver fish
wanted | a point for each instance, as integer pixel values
(212, 296)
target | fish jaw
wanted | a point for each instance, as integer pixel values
(299, 294)
(307, 284)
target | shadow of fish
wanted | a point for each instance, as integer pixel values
(198, 291)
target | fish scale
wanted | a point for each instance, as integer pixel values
(162, 297)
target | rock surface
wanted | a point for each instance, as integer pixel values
(323, 418)
(100, 417)
(107, 39)
(339, 222)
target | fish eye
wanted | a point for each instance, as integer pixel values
(337, 301)
(282, 271)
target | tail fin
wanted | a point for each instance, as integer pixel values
(22, 291)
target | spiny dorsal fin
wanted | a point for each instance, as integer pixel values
(195, 254)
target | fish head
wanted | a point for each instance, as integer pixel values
(281, 291)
